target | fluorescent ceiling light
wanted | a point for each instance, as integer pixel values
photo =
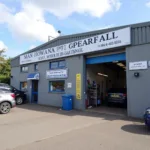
(115, 61)
(101, 74)
(120, 64)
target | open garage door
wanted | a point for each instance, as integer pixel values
(106, 81)
(106, 58)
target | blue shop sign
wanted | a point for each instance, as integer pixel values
(33, 76)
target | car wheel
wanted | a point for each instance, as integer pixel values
(19, 100)
(5, 108)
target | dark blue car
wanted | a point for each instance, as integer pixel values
(117, 96)
(147, 117)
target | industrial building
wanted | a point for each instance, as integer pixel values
(117, 57)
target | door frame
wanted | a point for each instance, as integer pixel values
(33, 92)
(93, 60)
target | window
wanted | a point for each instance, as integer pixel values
(23, 86)
(56, 86)
(58, 64)
(5, 87)
(62, 64)
(54, 65)
(36, 67)
(24, 69)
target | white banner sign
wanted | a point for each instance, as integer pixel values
(57, 74)
(108, 40)
(69, 85)
(138, 65)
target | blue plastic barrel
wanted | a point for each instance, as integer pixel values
(67, 102)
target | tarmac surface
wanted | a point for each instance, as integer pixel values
(34, 127)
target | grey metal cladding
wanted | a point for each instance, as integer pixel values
(140, 34)
(15, 62)
(148, 34)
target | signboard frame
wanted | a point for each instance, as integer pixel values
(57, 74)
(95, 43)
(78, 86)
(139, 65)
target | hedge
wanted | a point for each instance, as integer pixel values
(4, 79)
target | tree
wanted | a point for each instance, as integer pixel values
(5, 68)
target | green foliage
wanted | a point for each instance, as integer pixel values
(5, 68)
(4, 79)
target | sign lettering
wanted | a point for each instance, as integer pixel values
(138, 65)
(78, 86)
(57, 74)
(96, 43)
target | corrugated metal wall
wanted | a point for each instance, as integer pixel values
(140, 34)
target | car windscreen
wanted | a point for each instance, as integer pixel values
(117, 90)
(4, 85)
(6, 89)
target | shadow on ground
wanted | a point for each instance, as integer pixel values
(47, 109)
(136, 129)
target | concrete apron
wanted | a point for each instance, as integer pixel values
(109, 111)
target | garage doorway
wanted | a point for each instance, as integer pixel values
(106, 83)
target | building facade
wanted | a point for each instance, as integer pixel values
(61, 66)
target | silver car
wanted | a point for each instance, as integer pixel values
(7, 101)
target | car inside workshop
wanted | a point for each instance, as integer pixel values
(106, 82)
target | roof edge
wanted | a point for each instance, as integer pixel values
(85, 33)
